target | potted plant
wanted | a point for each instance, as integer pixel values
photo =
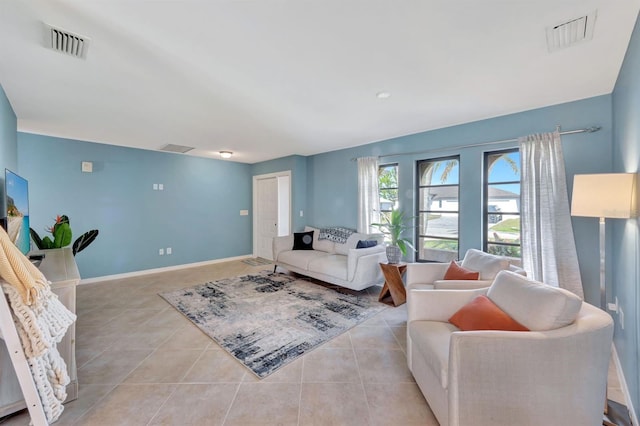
(394, 226)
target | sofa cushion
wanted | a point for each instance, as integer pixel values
(331, 264)
(535, 305)
(482, 314)
(322, 245)
(303, 240)
(457, 272)
(431, 339)
(487, 264)
(351, 243)
(300, 258)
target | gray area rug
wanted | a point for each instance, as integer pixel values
(267, 320)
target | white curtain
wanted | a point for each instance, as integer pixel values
(548, 247)
(368, 196)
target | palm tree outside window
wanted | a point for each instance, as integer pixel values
(438, 209)
(502, 203)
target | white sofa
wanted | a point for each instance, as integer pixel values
(340, 264)
(555, 374)
(431, 275)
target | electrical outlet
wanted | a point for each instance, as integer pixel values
(301, 213)
(160, 187)
(155, 186)
(169, 251)
(161, 252)
(621, 318)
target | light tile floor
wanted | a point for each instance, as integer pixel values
(140, 362)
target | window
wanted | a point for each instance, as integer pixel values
(388, 187)
(502, 203)
(438, 207)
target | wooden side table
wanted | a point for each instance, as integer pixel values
(393, 292)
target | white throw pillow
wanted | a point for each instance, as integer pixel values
(487, 264)
(537, 306)
(321, 245)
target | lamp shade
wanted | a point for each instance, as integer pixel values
(608, 195)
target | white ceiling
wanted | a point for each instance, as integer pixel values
(270, 78)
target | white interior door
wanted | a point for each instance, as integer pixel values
(267, 210)
(271, 207)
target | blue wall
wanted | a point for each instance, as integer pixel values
(8, 137)
(197, 214)
(332, 176)
(626, 234)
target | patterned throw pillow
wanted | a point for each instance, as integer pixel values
(303, 240)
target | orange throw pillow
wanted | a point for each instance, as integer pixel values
(482, 314)
(457, 272)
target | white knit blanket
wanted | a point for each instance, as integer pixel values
(41, 326)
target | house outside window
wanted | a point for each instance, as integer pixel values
(502, 203)
(388, 188)
(438, 209)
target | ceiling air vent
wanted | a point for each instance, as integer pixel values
(176, 148)
(66, 42)
(572, 32)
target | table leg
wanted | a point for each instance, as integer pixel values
(393, 285)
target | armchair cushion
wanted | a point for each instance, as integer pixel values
(482, 314)
(487, 264)
(457, 272)
(535, 305)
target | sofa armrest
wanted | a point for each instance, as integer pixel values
(461, 284)
(365, 261)
(425, 273)
(437, 305)
(537, 367)
(281, 244)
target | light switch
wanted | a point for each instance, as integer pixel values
(161, 187)
(155, 186)
(87, 167)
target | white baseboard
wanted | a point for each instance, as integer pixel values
(623, 385)
(157, 270)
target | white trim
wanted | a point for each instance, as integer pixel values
(255, 202)
(623, 385)
(158, 270)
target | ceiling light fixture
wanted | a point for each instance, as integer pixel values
(383, 95)
(226, 154)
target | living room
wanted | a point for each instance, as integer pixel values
(197, 212)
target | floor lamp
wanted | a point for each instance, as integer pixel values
(606, 195)
(610, 195)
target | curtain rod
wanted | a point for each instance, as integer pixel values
(591, 129)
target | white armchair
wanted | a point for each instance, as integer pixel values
(430, 275)
(555, 374)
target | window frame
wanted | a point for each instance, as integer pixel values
(485, 202)
(418, 188)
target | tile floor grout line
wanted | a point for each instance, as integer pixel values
(163, 402)
(233, 400)
(75, 422)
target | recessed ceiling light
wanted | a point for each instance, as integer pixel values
(226, 154)
(383, 95)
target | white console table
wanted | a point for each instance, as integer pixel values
(60, 268)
